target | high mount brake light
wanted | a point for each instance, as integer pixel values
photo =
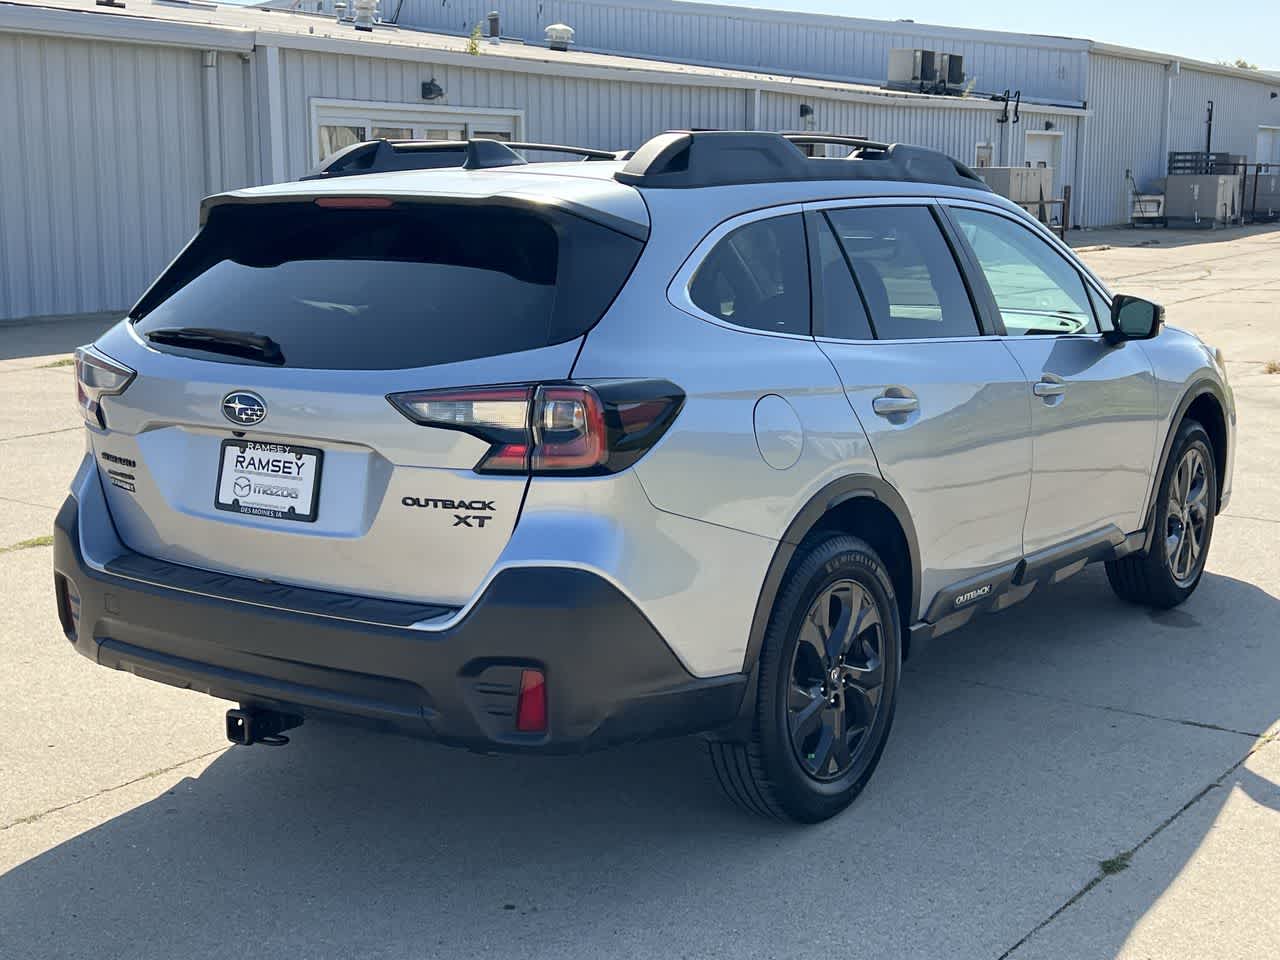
(98, 376)
(355, 203)
(574, 429)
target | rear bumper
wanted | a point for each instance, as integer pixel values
(610, 676)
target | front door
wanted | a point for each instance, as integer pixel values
(1092, 404)
(944, 407)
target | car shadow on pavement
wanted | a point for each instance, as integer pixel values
(1028, 748)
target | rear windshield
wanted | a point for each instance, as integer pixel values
(379, 289)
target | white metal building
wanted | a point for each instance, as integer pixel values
(124, 116)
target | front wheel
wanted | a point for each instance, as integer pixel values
(828, 682)
(1186, 501)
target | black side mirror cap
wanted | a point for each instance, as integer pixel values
(1133, 318)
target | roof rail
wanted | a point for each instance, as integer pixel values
(683, 158)
(381, 156)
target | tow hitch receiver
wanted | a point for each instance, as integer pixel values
(246, 727)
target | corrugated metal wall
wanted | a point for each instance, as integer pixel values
(956, 131)
(855, 50)
(1124, 130)
(105, 171)
(1239, 106)
(595, 113)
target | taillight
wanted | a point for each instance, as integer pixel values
(98, 376)
(576, 429)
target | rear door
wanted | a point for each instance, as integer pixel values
(258, 438)
(944, 405)
(1092, 403)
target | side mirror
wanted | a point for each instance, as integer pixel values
(1133, 318)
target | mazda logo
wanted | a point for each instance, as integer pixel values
(243, 408)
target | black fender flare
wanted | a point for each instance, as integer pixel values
(1193, 393)
(828, 498)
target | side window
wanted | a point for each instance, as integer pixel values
(1036, 290)
(758, 277)
(838, 310)
(906, 272)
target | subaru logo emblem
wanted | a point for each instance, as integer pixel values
(243, 408)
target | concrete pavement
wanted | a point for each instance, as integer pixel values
(1030, 749)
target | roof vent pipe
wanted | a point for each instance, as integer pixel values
(559, 36)
(339, 11)
(495, 31)
(363, 13)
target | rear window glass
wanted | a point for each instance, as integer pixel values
(757, 277)
(410, 286)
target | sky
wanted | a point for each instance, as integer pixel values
(1190, 28)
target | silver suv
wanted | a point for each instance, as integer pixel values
(544, 457)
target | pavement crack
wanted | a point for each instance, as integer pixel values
(46, 433)
(1182, 721)
(1116, 864)
(151, 774)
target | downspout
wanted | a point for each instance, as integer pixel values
(275, 117)
(1171, 70)
(212, 122)
(753, 108)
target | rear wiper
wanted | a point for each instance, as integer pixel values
(235, 343)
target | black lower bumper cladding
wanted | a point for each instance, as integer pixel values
(610, 676)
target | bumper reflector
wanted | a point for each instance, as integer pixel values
(68, 598)
(531, 708)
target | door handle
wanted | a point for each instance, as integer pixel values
(1049, 388)
(887, 406)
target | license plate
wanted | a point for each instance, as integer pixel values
(276, 480)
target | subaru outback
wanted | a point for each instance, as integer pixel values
(548, 456)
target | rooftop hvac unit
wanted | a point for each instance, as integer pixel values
(925, 70)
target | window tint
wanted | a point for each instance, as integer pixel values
(838, 310)
(906, 272)
(758, 277)
(408, 286)
(1036, 290)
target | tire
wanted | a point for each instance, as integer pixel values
(793, 767)
(1160, 576)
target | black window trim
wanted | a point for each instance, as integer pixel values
(1036, 229)
(987, 327)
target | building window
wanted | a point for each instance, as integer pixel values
(339, 123)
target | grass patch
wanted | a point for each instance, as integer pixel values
(1116, 864)
(64, 362)
(1272, 366)
(44, 541)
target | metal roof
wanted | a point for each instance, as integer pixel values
(212, 26)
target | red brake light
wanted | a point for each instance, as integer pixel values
(355, 203)
(577, 429)
(531, 707)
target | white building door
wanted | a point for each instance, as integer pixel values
(1043, 149)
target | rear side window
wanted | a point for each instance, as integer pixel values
(378, 289)
(838, 308)
(906, 272)
(757, 277)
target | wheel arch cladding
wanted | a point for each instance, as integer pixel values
(865, 507)
(1206, 409)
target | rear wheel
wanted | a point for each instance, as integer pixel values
(828, 682)
(1170, 569)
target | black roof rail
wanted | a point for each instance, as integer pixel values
(683, 158)
(381, 156)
